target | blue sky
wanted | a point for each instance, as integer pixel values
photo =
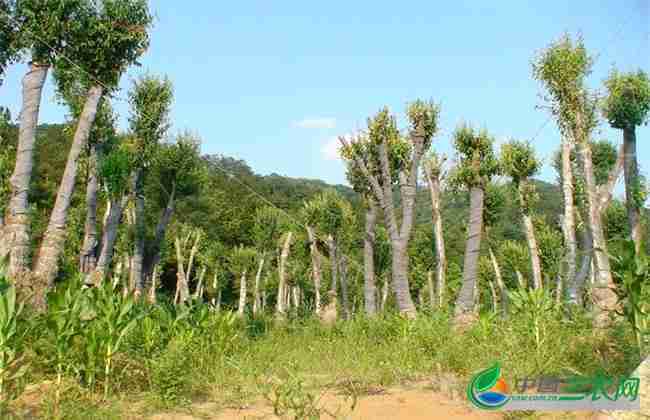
(274, 83)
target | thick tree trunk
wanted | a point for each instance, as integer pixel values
(90, 246)
(400, 269)
(315, 267)
(503, 293)
(109, 237)
(575, 290)
(47, 264)
(139, 237)
(464, 312)
(441, 269)
(631, 173)
(568, 225)
(282, 269)
(529, 228)
(605, 299)
(256, 290)
(242, 294)
(17, 231)
(370, 289)
(343, 268)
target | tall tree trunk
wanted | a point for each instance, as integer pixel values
(464, 313)
(568, 223)
(632, 185)
(529, 228)
(199, 286)
(575, 290)
(370, 289)
(89, 248)
(256, 291)
(109, 237)
(139, 237)
(282, 269)
(400, 269)
(47, 264)
(17, 231)
(436, 216)
(242, 294)
(384, 294)
(161, 229)
(154, 286)
(605, 299)
(334, 265)
(182, 287)
(315, 267)
(503, 293)
(343, 267)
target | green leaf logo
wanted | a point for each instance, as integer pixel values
(479, 390)
(486, 379)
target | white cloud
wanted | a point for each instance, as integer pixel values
(330, 149)
(315, 123)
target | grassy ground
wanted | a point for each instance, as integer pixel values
(218, 358)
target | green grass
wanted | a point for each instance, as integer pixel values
(174, 357)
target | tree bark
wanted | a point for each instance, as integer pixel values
(90, 246)
(370, 289)
(256, 291)
(334, 265)
(242, 294)
(399, 272)
(503, 293)
(568, 225)
(282, 268)
(464, 312)
(182, 287)
(47, 264)
(315, 267)
(576, 288)
(17, 230)
(441, 269)
(139, 237)
(493, 293)
(529, 228)
(432, 294)
(161, 229)
(631, 174)
(605, 299)
(384, 294)
(109, 237)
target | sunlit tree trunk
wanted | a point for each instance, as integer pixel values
(436, 216)
(503, 293)
(315, 267)
(568, 225)
(493, 293)
(17, 231)
(89, 248)
(282, 271)
(47, 263)
(109, 237)
(464, 312)
(605, 299)
(529, 228)
(632, 185)
(370, 289)
(384, 294)
(331, 242)
(242, 294)
(433, 302)
(256, 291)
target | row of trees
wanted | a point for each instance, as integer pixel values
(297, 253)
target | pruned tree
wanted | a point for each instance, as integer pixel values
(150, 99)
(434, 173)
(562, 67)
(627, 106)
(66, 25)
(476, 166)
(387, 160)
(518, 161)
(241, 262)
(266, 232)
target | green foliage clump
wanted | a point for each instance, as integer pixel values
(628, 101)
(477, 163)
